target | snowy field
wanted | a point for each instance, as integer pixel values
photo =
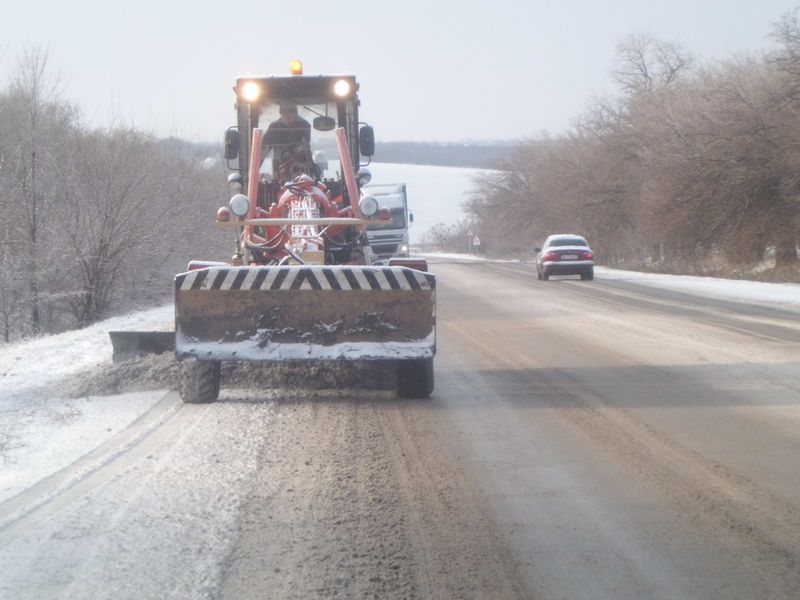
(41, 431)
(435, 194)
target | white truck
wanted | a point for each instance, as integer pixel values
(391, 239)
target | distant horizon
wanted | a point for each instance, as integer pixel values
(465, 142)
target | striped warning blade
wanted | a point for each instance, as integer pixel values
(305, 312)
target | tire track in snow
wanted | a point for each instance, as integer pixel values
(52, 493)
(156, 521)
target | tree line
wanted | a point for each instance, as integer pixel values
(691, 167)
(92, 221)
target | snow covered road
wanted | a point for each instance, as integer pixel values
(154, 518)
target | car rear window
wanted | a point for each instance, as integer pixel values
(568, 242)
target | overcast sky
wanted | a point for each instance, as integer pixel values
(449, 70)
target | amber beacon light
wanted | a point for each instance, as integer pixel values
(296, 67)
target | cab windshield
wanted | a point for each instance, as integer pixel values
(299, 138)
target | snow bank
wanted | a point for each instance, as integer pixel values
(40, 430)
(46, 360)
(784, 295)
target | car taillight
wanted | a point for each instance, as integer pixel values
(588, 255)
(552, 256)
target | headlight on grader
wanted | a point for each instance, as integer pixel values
(240, 205)
(251, 91)
(341, 88)
(368, 206)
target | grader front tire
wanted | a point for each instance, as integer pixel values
(415, 378)
(199, 381)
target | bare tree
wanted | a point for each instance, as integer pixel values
(12, 289)
(786, 31)
(116, 202)
(438, 237)
(645, 63)
(35, 123)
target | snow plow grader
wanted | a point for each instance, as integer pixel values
(303, 284)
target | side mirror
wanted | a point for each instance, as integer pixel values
(324, 123)
(231, 144)
(366, 140)
(410, 217)
(537, 249)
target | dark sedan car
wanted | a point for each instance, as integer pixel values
(565, 254)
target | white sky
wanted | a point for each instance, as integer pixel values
(428, 70)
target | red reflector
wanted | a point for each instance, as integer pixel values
(420, 264)
(588, 255)
(194, 265)
(223, 215)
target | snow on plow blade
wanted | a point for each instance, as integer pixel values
(305, 312)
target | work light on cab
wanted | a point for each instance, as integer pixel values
(341, 88)
(251, 91)
(235, 182)
(364, 177)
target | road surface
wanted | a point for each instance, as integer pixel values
(585, 440)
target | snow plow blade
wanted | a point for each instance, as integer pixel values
(130, 344)
(274, 313)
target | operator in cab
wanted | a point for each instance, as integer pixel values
(286, 135)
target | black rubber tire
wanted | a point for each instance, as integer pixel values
(538, 275)
(199, 381)
(588, 275)
(415, 378)
(545, 275)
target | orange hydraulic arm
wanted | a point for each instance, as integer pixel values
(349, 174)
